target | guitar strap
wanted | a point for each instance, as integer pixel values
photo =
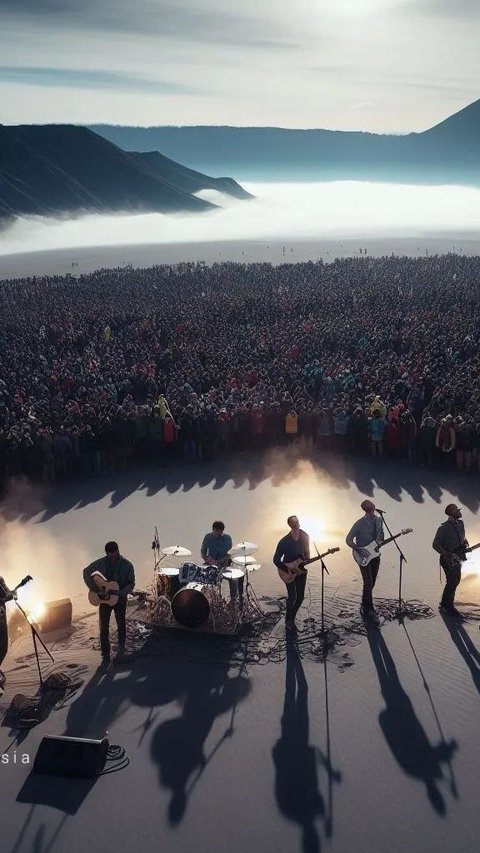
(461, 546)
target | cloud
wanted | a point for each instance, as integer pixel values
(89, 79)
(437, 9)
(182, 21)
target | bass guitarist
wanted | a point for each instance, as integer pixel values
(367, 529)
(451, 544)
(113, 567)
(292, 546)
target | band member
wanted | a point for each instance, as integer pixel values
(295, 544)
(450, 543)
(113, 567)
(5, 595)
(214, 550)
(367, 529)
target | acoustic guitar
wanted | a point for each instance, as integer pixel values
(108, 591)
(290, 571)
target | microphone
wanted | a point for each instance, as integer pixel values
(380, 511)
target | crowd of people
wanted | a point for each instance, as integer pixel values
(187, 362)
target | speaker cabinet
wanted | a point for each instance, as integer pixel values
(71, 756)
(58, 615)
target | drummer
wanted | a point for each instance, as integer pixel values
(214, 550)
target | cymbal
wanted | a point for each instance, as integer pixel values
(176, 551)
(170, 571)
(253, 567)
(233, 574)
(244, 548)
(244, 561)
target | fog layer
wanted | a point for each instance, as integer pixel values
(280, 211)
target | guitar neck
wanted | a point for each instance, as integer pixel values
(390, 539)
(311, 560)
(472, 548)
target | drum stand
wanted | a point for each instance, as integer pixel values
(249, 592)
(157, 558)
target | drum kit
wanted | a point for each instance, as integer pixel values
(191, 595)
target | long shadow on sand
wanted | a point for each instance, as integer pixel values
(297, 786)
(155, 680)
(24, 501)
(404, 732)
(465, 645)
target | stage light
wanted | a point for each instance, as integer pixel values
(313, 525)
(35, 614)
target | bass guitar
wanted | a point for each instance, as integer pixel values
(367, 553)
(108, 591)
(290, 571)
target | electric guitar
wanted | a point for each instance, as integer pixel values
(289, 571)
(367, 553)
(461, 552)
(5, 592)
(108, 591)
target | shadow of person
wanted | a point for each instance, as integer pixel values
(98, 705)
(177, 745)
(403, 730)
(465, 646)
(296, 780)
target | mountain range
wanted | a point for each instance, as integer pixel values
(63, 169)
(446, 153)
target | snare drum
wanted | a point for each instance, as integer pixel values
(209, 575)
(168, 582)
(191, 605)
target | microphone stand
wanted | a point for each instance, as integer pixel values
(403, 560)
(35, 637)
(324, 569)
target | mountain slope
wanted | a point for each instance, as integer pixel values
(464, 125)
(448, 152)
(56, 169)
(188, 180)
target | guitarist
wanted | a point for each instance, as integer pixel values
(295, 544)
(113, 567)
(5, 595)
(450, 543)
(367, 529)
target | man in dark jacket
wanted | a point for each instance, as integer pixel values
(5, 595)
(450, 543)
(113, 567)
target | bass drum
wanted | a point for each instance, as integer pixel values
(191, 605)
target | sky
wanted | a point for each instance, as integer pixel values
(387, 66)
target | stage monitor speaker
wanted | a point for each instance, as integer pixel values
(71, 756)
(58, 615)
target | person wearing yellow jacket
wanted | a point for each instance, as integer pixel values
(291, 423)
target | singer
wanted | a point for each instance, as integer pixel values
(367, 529)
